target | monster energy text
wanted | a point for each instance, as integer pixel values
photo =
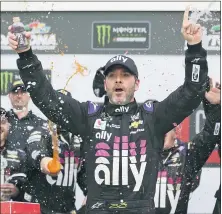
(103, 34)
(6, 80)
(134, 30)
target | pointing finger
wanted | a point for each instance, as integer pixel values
(186, 15)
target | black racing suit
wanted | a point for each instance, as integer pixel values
(214, 112)
(170, 176)
(201, 147)
(56, 194)
(122, 144)
(173, 180)
(20, 129)
(13, 168)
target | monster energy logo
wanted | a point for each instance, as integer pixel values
(215, 29)
(103, 34)
(6, 80)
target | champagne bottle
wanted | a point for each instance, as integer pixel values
(18, 29)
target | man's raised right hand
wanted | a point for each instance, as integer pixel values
(13, 43)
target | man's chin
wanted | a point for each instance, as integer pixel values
(119, 101)
(19, 108)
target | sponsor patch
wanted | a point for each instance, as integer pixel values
(217, 129)
(148, 106)
(100, 124)
(195, 73)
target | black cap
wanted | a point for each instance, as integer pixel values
(63, 91)
(18, 85)
(124, 61)
(98, 83)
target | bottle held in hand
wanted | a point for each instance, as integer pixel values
(18, 30)
(54, 165)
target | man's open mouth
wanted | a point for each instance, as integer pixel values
(118, 90)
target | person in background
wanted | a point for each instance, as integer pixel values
(21, 119)
(171, 173)
(12, 164)
(213, 104)
(54, 192)
(180, 158)
(202, 145)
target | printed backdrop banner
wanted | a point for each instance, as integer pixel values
(110, 32)
(121, 35)
(8, 76)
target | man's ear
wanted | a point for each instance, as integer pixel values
(137, 84)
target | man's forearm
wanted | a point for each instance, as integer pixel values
(60, 109)
(183, 101)
(38, 86)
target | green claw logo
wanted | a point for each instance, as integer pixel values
(103, 34)
(215, 29)
(6, 80)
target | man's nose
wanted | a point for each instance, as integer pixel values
(19, 94)
(118, 79)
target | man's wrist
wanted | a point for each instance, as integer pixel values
(26, 54)
(194, 47)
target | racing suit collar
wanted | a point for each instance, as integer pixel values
(121, 109)
(14, 115)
